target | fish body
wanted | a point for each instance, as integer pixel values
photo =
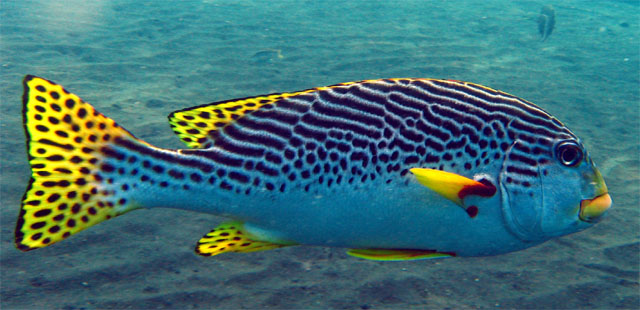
(393, 169)
(546, 21)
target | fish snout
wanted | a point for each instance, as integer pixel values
(592, 210)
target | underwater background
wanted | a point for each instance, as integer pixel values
(137, 61)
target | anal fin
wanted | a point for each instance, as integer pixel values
(232, 237)
(397, 254)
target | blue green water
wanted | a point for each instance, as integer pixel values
(138, 61)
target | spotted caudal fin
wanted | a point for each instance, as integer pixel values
(67, 140)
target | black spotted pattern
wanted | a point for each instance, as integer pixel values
(370, 131)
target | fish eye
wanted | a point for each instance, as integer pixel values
(569, 153)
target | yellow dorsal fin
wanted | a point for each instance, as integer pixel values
(397, 255)
(194, 126)
(231, 237)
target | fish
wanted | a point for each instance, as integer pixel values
(390, 169)
(546, 21)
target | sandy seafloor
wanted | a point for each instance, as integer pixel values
(137, 61)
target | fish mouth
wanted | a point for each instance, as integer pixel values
(592, 210)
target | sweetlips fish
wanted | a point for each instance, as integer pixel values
(392, 169)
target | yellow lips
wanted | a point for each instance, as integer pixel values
(592, 209)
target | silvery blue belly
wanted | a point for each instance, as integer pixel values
(396, 217)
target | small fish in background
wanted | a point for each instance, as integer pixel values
(267, 55)
(546, 21)
(393, 169)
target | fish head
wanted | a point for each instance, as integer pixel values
(551, 189)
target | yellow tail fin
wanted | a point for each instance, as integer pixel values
(66, 140)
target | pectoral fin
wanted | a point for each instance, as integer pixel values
(454, 186)
(397, 255)
(231, 237)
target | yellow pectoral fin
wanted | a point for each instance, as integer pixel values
(397, 255)
(452, 186)
(231, 237)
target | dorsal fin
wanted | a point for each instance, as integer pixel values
(194, 125)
